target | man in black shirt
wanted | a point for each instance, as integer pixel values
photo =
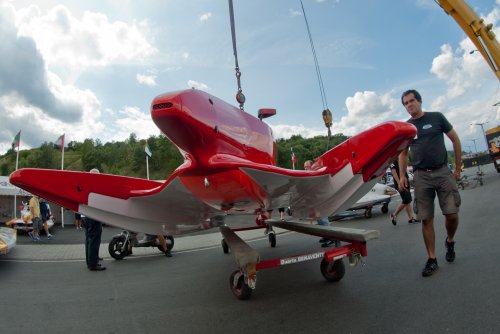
(432, 175)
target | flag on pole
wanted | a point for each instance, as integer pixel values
(294, 158)
(147, 150)
(17, 141)
(59, 142)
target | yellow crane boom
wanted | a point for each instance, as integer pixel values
(480, 34)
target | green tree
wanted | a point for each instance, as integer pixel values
(46, 156)
(5, 169)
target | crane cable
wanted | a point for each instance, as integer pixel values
(240, 98)
(327, 114)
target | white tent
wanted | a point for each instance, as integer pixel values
(7, 189)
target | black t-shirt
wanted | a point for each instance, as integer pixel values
(427, 150)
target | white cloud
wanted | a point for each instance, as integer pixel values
(294, 12)
(132, 120)
(460, 69)
(32, 45)
(205, 17)
(286, 131)
(471, 87)
(197, 85)
(91, 40)
(365, 110)
(148, 80)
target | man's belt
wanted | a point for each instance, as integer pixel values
(429, 169)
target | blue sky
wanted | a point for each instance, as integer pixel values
(90, 69)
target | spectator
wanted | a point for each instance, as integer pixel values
(93, 232)
(78, 221)
(36, 218)
(46, 215)
(405, 197)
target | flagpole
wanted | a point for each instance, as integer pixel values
(147, 150)
(62, 168)
(17, 165)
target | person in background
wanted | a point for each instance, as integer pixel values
(78, 221)
(46, 215)
(151, 237)
(405, 197)
(431, 175)
(281, 212)
(36, 218)
(163, 244)
(93, 232)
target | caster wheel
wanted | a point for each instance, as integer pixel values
(238, 286)
(332, 272)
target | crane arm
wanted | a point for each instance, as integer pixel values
(480, 34)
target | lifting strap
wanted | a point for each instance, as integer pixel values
(327, 114)
(240, 98)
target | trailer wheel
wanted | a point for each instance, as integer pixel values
(225, 247)
(332, 271)
(238, 286)
(117, 248)
(272, 239)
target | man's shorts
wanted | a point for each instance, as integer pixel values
(405, 196)
(429, 183)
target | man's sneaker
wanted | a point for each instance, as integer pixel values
(430, 267)
(450, 250)
(413, 221)
(50, 237)
(168, 253)
(394, 220)
(36, 238)
(30, 234)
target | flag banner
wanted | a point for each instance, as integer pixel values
(148, 150)
(59, 142)
(17, 140)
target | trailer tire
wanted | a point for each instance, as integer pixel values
(332, 272)
(117, 248)
(240, 289)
